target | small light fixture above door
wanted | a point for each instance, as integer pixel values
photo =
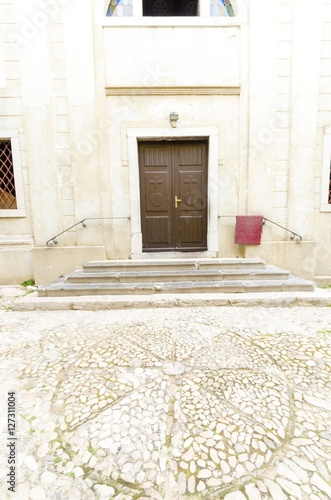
(173, 116)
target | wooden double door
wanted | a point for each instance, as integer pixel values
(173, 193)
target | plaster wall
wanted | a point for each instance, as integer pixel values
(172, 55)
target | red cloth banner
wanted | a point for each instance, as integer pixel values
(248, 229)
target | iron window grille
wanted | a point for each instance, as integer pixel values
(7, 178)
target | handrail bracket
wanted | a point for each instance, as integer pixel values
(294, 236)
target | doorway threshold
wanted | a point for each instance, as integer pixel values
(174, 255)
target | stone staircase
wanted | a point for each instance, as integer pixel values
(175, 276)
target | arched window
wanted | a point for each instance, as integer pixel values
(170, 7)
(163, 8)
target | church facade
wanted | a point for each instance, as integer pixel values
(156, 124)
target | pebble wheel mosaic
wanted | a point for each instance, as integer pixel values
(178, 408)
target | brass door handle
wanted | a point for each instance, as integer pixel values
(177, 200)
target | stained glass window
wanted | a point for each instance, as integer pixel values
(120, 8)
(165, 8)
(221, 8)
(124, 8)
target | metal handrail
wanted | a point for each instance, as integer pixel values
(294, 235)
(52, 241)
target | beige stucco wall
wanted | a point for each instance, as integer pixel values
(70, 90)
(171, 55)
(49, 264)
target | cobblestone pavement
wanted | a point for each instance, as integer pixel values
(167, 404)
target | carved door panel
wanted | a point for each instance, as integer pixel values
(173, 189)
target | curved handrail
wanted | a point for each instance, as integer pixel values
(294, 235)
(52, 241)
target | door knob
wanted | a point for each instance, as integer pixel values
(177, 200)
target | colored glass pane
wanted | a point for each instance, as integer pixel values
(221, 8)
(120, 8)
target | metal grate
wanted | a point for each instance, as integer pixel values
(7, 181)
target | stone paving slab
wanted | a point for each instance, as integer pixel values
(168, 403)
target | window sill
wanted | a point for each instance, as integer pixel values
(325, 208)
(191, 22)
(12, 213)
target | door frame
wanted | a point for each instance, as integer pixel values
(139, 134)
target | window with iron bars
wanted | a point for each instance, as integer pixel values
(326, 172)
(7, 178)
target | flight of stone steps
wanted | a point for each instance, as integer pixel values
(175, 276)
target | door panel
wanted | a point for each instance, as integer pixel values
(156, 156)
(169, 170)
(158, 230)
(190, 155)
(190, 179)
(156, 196)
(157, 188)
(191, 229)
(190, 190)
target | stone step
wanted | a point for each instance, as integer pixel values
(315, 298)
(61, 289)
(176, 275)
(171, 264)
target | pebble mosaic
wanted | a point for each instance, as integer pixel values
(197, 403)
